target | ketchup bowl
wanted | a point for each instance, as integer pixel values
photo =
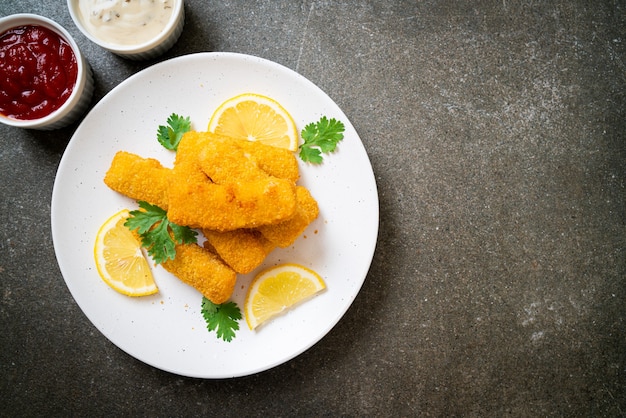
(45, 81)
(138, 30)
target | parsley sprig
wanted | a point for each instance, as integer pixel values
(158, 235)
(320, 137)
(169, 136)
(223, 318)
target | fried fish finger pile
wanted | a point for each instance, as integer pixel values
(241, 195)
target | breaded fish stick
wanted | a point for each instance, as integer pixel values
(225, 207)
(139, 178)
(273, 161)
(187, 164)
(285, 233)
(225, 162)
(203, 270)
(243, 249)
(277, 162)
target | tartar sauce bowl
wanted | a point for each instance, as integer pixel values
(120, 26)
(48, 96)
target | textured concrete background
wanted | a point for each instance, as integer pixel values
(496, 130)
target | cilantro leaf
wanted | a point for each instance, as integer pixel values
(223, 319)
(170, 136)
(320, 137)
(158, 235)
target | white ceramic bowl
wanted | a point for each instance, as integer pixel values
(80, 98)
(141, 51)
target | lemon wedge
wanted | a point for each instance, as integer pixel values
(277, 289)
(119, 259)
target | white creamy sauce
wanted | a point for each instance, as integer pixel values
(125, 22)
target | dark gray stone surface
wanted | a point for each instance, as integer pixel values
(496, 130)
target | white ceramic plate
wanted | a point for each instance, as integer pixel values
(167, 330)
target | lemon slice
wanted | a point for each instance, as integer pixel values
(256, 118)
(119, 258)
(274, 290)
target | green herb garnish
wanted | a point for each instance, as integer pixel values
(320, 137)
(223, 318)
(158, 235)
(170, 136)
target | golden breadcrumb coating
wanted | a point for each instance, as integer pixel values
(139, 178)
(225, 207)
(285, 233)
(276, 162)
(225, 162)
(202, 269)
(198, 201)
(243, 249)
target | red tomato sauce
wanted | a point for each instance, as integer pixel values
(38, 71)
